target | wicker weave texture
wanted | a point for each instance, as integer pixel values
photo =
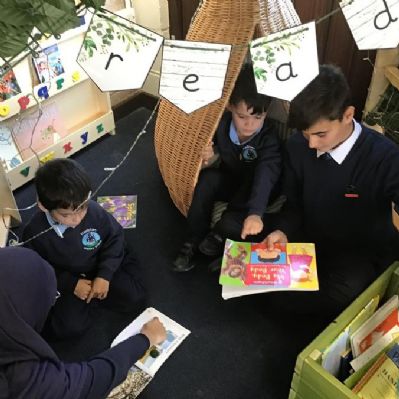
(180, 137)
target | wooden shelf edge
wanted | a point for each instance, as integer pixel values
(392, 74)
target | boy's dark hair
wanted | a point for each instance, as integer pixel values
(245, 90)
(62, 183)
(325, 97)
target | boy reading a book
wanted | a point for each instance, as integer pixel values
(85, 245)
(340, 180)
(249, 155)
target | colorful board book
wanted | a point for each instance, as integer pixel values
(250, 268)
(122, 207)
(9, 86)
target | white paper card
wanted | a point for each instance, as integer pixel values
(374, 23)
(175, 334)
(193, 73)
(285, 62)
(116, 53)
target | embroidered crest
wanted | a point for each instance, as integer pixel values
(90, 239)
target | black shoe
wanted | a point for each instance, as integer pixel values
(184, 260)
(212, 245)
(215, 265)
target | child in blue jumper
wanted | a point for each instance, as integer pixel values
(85, 245)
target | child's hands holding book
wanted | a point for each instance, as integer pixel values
(82, 289)
(277, 236)
(252, 225)
(99, 289)
(155, 331)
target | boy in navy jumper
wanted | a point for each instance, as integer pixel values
(85, 246)
(249, 155)
(340, 180)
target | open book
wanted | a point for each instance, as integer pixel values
(249, 268)
(122, 207)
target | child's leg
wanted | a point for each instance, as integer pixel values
(127, 292)
(69, 317)
(213, 184)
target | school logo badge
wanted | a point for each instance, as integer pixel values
(90, 239)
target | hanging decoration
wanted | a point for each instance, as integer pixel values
(193, 73)
(374, 23)
(285, 62)
(116, 53)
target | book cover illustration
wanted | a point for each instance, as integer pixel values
(9, 86)
(156, 355)
(381, 380)
(9, 153)
(48, 64)
(286, 266)
(36, 130)
(122, 207)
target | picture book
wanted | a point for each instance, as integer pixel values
(48, 64)
(332, 355)
(9, 153)
(382, 321)
(9, 86)
(122, 207)
(381, 380)
(157, 354)
(249, 268)
(37, 130)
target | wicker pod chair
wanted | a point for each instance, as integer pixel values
(180, 137)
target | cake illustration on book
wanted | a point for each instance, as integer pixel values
(250, 268)
(122, 207)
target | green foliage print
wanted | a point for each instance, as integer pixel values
(266, 52)
(104, 30)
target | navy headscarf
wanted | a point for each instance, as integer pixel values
(28, 366)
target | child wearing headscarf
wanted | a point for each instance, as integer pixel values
(28, 366)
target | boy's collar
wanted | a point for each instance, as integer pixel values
(59, 228)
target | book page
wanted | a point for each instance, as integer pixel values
(157, 354)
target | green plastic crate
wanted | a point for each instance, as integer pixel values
(310, 380)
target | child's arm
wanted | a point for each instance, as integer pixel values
(209, 155)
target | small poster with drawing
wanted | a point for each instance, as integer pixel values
(48, 64)
(9, 86)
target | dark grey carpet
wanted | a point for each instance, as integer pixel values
(238, 349)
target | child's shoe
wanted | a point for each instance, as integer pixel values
(185, 258)
(212, 245)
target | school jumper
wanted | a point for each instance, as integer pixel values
(28, 366)
(245, 178)
(346, 210)
(95, 248)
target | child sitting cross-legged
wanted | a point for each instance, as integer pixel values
(86, 248)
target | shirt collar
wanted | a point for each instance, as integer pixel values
(234, 135)
(59, 228)
(340, 153)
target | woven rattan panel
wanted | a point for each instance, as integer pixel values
(179, 137)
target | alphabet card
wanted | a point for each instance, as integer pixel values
(193, 73)
(374, 23)
(116, 53)
(285, 62)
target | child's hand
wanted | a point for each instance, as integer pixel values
(277, 236)
(252, 225)
(154, 331)
(82, 289)
(207, 153)
(99, 289)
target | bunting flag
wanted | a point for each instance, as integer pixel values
(374, 23)
(193, 73)
(285, 62)
(116, 53)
